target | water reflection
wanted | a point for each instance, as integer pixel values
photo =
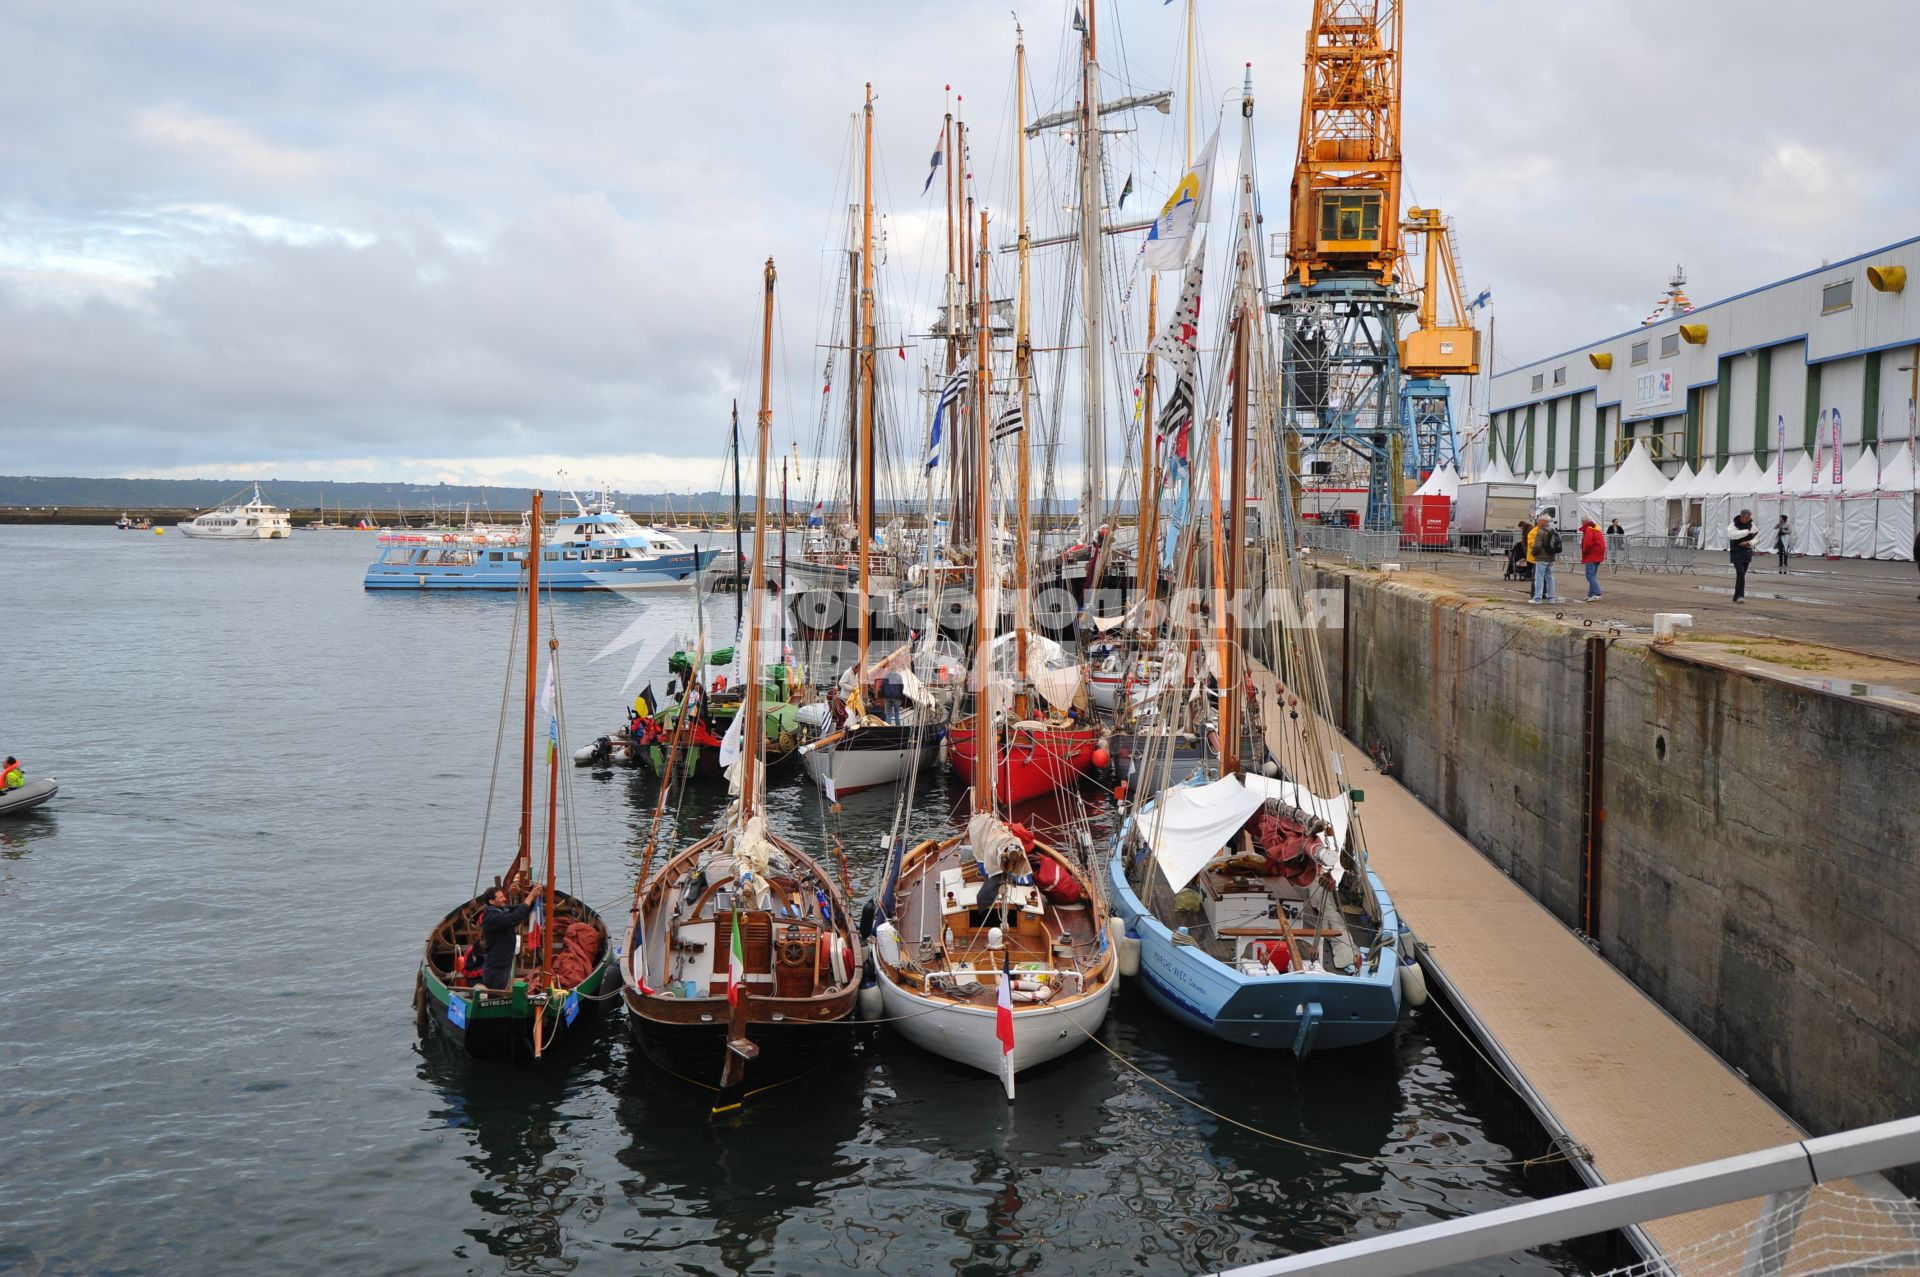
(533, 1195)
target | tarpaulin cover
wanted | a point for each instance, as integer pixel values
(1189, 825)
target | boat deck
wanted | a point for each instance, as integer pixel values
(1606, 1065)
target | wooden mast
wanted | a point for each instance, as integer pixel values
(986, 742)
(750, 704)
(525, 854)
(853, 360)
(1094, 487)
(1230, 693)
(1146, 553)
(553, 806)
(1022, 356)
(864, 387)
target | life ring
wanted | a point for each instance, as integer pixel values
(841, 954)
(447, 540)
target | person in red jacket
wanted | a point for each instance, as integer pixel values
(1593, 552)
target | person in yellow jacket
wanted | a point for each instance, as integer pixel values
(12, 774)
(1543, 547)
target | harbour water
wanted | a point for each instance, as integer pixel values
(272, 785)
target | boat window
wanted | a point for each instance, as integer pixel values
(496, 556)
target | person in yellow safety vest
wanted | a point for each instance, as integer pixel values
(12, 774)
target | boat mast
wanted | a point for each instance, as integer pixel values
(1022, 356)
(1146, 553)
(525, 853)
(985, 735)
(1230, 694)
(750, 704)
(782, 599)
(740, 564)
(1094, 488)
(865, 386)
(553, 804)
(853, 356)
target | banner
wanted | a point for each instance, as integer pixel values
(1182, 215)
(1780, 455)
(1836, 447)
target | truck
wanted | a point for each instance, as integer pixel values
(1483, 511)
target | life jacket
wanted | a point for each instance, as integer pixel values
(703, 735)
(1055, 883)
(1277, 954)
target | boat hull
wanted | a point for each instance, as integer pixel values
(872, 757)
(968, 1034)
(696, 1053)
(1033, 762)
(28, 796)
(1295, 1011)
(667, 572)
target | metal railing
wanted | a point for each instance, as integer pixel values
(1838, 1234)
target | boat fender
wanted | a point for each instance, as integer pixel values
(867, 914)
(871, 1005)
(1413, 982)
(1126, 948)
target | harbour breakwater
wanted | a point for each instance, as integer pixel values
(1744, 845)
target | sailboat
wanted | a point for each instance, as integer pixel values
(562, 959)
(742, 963)
(852, 748)
(1246, 890)
(1047, 741)
(991, 946)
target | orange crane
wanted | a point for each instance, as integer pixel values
(1436, 348)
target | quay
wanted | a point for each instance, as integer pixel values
(1661, 885)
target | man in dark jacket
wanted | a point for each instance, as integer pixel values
(1543, 547)
(498, 922)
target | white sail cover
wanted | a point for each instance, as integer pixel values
(1191, 824)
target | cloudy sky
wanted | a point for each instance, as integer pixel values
(488, 241)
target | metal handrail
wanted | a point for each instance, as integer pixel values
(1784, 1169)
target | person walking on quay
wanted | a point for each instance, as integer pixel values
(1740, 538)
(1593, 552)
(1543, 547)
(1783, 541)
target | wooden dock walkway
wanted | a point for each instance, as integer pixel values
(1607, 1067)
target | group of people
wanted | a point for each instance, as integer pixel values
(1541, 546)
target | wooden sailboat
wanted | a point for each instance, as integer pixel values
(1248, 894)
(991, 947)
(522, 1003)
(1042, 747)
(742, 965)
(855, 749)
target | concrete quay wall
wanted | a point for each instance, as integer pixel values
(1754, 863)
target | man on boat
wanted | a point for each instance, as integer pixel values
(498, 922)
(12, 774)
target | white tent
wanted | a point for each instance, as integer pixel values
(1810, 504)
(1553, 491)
(1497, 470)
(1443, 482)
(1857, 508)
(1666, 508)
(1894, 538)
(1624, 495)
(1770, 501)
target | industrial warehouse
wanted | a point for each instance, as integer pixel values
(1794, 398)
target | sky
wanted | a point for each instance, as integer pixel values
(494, 242)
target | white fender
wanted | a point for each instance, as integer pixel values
(1413, 983)
(841, 954)
(584, 754)
(1126, 949)
(871, 1005)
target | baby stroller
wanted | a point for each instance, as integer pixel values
(1518, 569)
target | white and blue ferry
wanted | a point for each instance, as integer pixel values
(1257, 919)
(599, 548)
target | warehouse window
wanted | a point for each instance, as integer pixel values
(1836, 297)
(1560, 376)
(1669, 345)
(1639, 355)
(1539, 381)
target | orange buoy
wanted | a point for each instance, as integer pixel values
(1101, 758)
(1120, 792)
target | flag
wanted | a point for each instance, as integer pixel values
(535, 921)
(1009, 423)
(1079, 23)
(1836, 446)
(1184, 213)
(736, 963)
(949, 395)
(733, 742)
(1003, 1010)
(643, 703)
(1780, 454)
(553, 723)
(1486, 295)
(1179, 344)
(818, 516)
(1126, 190)
(939, 148)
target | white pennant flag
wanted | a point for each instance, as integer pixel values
(1184, 213)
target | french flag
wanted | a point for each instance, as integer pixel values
(1003, 1013)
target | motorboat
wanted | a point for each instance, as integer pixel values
(28, 796)
(253, 520)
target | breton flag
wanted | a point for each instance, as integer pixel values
(949, 395)
(1009, 423)
(939, 149)
(736, 963)
(1184, 213)
(1179, 344)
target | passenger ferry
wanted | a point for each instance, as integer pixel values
(599, 548)
(254, 521)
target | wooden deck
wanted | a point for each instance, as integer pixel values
(1608, 1067)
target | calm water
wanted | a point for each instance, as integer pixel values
(272, 785)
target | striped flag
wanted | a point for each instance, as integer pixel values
(553, 721)
(736, 963)
(1009, 423)
(949, 395)
(939, 152)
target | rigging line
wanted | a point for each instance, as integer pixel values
(499, 736)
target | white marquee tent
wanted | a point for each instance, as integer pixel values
(1894, 525)
(1624, 495)
(1667, 507)
(1810, 504)
(1857, 508)
(1443, 482)
(1735, 488)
